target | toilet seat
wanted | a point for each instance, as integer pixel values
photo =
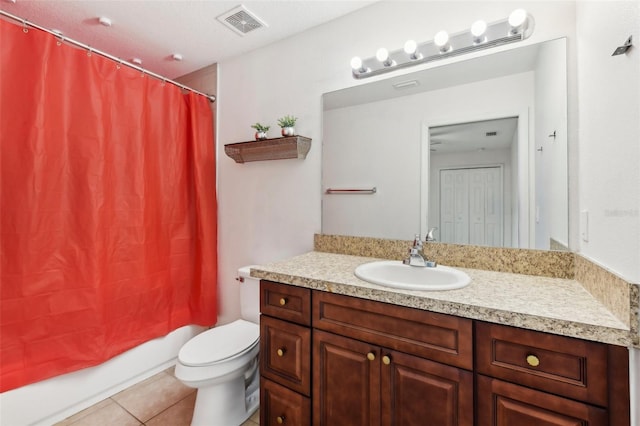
(220, 344)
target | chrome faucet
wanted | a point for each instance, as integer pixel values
(430, 236)
(415, 258)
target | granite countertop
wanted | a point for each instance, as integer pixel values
(553, 305)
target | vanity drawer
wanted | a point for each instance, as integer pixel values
(282, 406)
(438, 337)
(560, 365)
(505, 404)
(285, 353)
(287, 302)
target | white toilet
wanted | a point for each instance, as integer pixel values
(222, 363)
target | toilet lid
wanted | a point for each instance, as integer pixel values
(219, 343)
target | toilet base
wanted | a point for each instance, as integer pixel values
(226, 404)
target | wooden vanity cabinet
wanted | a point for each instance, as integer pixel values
(331, 359)
(371, 364)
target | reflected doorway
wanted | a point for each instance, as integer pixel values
(471, 206)
(473, 182)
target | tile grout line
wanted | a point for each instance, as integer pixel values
(172, 405)
(127, 411)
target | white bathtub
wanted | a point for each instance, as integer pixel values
(55, 399)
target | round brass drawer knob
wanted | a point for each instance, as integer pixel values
(533, 360)
(280, 420)
(386, 360)
(281, 351)
(283, 301)
(371, 356)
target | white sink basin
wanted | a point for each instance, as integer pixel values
(392, 273)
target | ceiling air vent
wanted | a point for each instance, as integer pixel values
(241, 20)
(491, 133)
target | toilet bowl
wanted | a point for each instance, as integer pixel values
(222, 364)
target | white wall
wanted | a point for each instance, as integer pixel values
(609, 125)
(609, 155)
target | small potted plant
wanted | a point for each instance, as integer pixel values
(287, 124)
(261, 131)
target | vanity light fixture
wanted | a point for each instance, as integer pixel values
(517, 27)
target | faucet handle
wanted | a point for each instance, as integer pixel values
(430, 236)
(417, 243)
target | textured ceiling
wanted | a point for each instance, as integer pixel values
(153, 30)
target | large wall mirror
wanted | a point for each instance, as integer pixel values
(476, 149)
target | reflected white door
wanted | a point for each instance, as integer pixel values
(471, 205)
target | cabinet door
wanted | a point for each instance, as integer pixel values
(282, 406)
(505, 404)
(346, 381)
(416, 391)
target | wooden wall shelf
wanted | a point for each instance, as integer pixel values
(269, 149)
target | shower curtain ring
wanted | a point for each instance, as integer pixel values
(89, 50)
(24, 26)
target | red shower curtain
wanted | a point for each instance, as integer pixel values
(108, 221)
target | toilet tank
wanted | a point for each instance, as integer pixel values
(249, 295)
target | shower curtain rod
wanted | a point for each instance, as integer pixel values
(62, 38)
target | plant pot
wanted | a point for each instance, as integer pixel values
(260, 136)
(288, 131)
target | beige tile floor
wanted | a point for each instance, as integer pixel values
(161, 400)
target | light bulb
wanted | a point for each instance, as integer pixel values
(356, 63)
(478, 30)
(518, 20)
(441, 40)
(410, 47)
(382, 54)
